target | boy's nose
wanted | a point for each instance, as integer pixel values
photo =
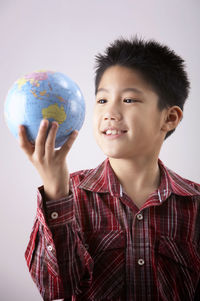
(111, 115)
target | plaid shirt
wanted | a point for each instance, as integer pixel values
(97, 245)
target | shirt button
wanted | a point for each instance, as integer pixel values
(86, 246)
(141, 261)
(50, 248)
(54, 215)
(139, 216)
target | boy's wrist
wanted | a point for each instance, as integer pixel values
(52, 193)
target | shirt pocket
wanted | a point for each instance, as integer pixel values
(178, 269)
(107, 249)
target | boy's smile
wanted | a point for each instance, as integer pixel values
(127, 122)
(112, 132)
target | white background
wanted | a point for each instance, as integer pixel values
(65, 35)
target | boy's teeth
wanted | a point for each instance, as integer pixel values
(112, 132)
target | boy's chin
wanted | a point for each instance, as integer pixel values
(115, 155)
(114, 152)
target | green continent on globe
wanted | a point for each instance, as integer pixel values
(53, 111)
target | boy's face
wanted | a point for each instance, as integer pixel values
(127, 122)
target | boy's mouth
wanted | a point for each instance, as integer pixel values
(113, 132)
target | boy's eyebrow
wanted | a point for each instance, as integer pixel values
(132, 90)
(124, 90)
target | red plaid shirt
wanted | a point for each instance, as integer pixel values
(97, 245)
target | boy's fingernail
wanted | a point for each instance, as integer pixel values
(54, 124)
(75, 133)
(21, 128)
(43, 123)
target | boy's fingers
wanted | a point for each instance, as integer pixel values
(25, 144)
(51, 138)
(41, 138)
(68, 144)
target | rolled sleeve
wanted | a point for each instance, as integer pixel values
(56, 212)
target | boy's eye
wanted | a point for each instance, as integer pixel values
(129, 100)
(101, 101)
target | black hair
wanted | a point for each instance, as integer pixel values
(160, 66)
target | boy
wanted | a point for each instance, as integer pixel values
(129, 229)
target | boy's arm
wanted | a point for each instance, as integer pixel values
(56, 256)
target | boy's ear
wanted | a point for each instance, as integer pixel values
(173, 116)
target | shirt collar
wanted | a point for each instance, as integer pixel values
(103, 180)
(173, 183)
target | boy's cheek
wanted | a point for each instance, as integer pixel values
(96, 132)
(95, 123)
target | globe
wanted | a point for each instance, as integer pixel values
(45, 95)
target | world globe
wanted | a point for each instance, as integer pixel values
(45, 95)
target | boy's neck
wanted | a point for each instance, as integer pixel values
(138, 177)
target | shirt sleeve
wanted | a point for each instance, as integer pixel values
(197, 292)
(56, 256)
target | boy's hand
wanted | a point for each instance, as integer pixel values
(50, 163)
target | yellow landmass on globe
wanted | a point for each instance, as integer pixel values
(34, 82)
(55, 112)
(42, 93)
(34, 94)
(60, 98)
(22, 81)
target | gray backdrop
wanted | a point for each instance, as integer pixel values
(65, 35)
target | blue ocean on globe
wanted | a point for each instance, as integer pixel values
(45, 94)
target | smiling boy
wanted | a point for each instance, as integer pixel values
(128, 229)
(127, 105)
